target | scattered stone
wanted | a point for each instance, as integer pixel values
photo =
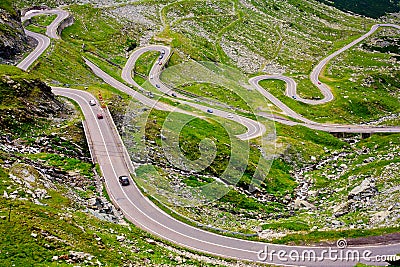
(337, 223)
(313, 193)
(365, 190)
(341, 209)
(120, 238)
(96, 237)
(299, 203)
(269, 234)
(151, 241)
(77, 257)
(379, 217)
(123, 222)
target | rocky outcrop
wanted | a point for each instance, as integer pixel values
(365, 190)
(13, 40)
(27, 100)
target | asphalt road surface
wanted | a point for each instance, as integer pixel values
(51, 30)
(108, 150)
(328, 96)
(254, 128)
(290, 84)
(291, 89)
(43, 41)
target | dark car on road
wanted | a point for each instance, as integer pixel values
(99, 116)
(123, 180)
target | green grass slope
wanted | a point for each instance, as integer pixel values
(48, 235)
(252, 37)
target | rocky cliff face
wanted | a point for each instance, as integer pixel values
(24, 101)
(13, 40)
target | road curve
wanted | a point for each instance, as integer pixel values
(316, 72)
(52, 29)
(108, 150)
(306, 122)
(291, 89)
(43, 41)
(126, 89)
(254, 128)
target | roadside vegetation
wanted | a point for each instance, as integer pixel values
(50, 234)
(8, 6)
(39, 23)
(143, 66)
(47, 182)
(251, 37)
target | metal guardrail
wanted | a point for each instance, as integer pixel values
(121, 145)
(89, 141)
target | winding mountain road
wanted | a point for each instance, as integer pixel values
(316, 72)
(43, 41)
(110, 154)
(52, 29)
(254, 128)
(108, 150)
(332, 128)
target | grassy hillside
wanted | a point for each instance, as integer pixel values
(48, 212)
(238, 40)
(254, 36)
(60, 232)
(19, 91)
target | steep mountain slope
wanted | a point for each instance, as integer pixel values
(13, 40)
(23, 102)
(53, 210)
(259, 37)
